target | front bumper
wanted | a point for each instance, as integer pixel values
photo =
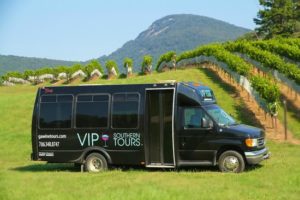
(255, 157)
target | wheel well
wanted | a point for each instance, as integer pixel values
(228, 148)
(104, 154)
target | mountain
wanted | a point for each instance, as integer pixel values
(175, 33)
(18, 63)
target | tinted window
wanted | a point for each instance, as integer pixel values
(64, 98)
(100, 98)
(132, 97)
(192, 117)
(85, 98)
(125, 110)
(92, 111)
(119, 97)
(50, 98)
(56, 111)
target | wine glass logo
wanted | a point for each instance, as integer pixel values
(105, 138)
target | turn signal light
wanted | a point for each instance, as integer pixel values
(251, 142)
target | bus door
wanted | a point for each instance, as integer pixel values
(159, 137)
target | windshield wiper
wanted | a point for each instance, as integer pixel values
(234, 124)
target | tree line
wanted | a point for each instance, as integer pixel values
(93, 68)
(278, 18)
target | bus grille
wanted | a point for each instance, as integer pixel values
(261, 142)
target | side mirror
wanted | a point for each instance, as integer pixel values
(206, 123)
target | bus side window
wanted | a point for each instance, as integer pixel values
(125, 110)
(55, 111)
(192, 117)
(92, 111)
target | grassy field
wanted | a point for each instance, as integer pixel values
(20, 178)
(292, 118)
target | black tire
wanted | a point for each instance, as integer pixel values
(231, 161)
(95, 162)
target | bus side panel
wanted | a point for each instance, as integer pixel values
(34, 154)
(124, 146)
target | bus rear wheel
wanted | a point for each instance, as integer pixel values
(231, 161)
(95, 162)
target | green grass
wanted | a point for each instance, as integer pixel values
(20, 178)
(293, 120)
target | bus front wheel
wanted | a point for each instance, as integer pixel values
(231, 161)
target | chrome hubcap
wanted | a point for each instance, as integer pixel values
(95, 165)
(231, 163)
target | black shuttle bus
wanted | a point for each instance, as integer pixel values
(163, 125)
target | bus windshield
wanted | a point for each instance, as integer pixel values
(220, 116)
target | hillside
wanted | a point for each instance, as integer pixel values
(177, 33)
(18, 63)
(279, 57)
(173, 32)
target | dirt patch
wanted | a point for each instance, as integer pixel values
(273, 127)
(292, 99)
(59, 82)
(94, 77)
(130, 75)
(74, 81)
(290, 95)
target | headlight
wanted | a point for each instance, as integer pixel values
(251, 142)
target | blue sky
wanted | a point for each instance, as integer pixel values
(80, 30)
